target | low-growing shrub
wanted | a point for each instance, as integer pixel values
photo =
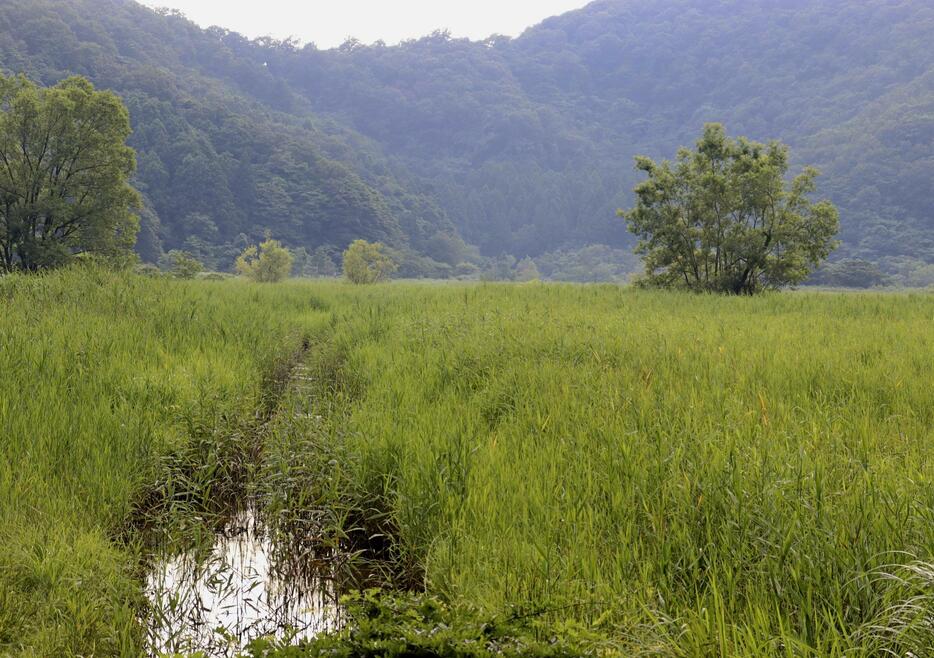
(390, 625)
(367, 262)
(268, 263)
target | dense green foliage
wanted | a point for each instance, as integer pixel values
(366, 262)
(183, 265)
(537, 155)
(857, 273)
(226, 152)
(318, 263)
(270, 262)
(517, 145)
(381, 625)
(723, 219)
(64, 175)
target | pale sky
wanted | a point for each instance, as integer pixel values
(328, 23)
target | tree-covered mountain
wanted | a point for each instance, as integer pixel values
(519, 146)
(225, 151)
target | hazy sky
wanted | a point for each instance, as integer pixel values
(328, 22)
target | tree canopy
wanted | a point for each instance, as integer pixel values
(723, 218)
(64, 174)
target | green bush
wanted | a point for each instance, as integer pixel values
(367, 262)
(269, 263)
(183, 265)
(389, 625)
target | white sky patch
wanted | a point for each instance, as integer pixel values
(328, 23)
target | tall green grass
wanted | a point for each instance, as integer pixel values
(694, 475)
(685, 475)
(102, 377)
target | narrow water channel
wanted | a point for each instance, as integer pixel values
(218, 599)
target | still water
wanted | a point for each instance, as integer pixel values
(220, 598)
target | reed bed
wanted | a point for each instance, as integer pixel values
(102, 377)
(694, 475)
(683, 475)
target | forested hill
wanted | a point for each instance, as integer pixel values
(522, 145)
(226, 151)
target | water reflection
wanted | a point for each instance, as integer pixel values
(240, 589)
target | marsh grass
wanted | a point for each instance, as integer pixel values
(680, 475)
(693, 475)
(106, 381)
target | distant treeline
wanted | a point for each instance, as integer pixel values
(454, 153)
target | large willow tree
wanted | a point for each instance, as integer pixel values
(724, 218)
(64, 174)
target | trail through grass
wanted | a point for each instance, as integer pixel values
(694, 475)
(679, 475)
(101, 379)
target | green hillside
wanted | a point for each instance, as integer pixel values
(520, 146)
(225, 150)
(539, 152)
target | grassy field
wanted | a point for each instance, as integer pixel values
(101, 379)
(684, 475)
(700, 475)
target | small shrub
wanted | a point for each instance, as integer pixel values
(183, 265)
(269, 263)
(527, 271)
(366, 262)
